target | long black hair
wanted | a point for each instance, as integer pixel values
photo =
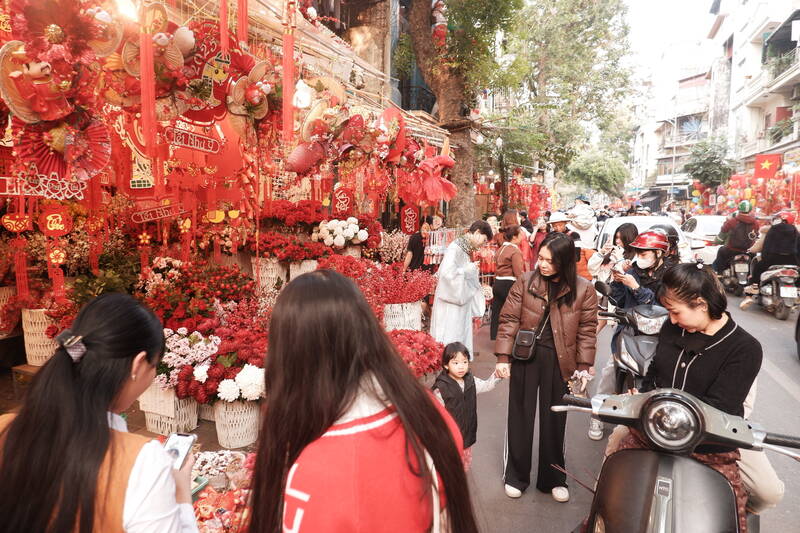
(324, 341)
(562, 248)
(52, 450)
(627, 233)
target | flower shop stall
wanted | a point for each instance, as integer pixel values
(200, 156)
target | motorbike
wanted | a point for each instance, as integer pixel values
(777, 290)
(633, 346)
(662, 489)
(734, 278)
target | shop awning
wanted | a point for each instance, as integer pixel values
(784, 31)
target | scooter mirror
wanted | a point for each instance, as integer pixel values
(603, 288)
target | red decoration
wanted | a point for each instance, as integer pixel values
(305, 156)
(409, 220)
(21, 266)
(16, 222)
(767, 165)
(242, 27)
(224, 40)
(55, 221)
(288, 69)
(343, 201)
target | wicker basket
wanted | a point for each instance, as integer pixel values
(298, 269)
(353, 250)
(267, 271)
(403, 316)
(237, 423)
(5, 295)
(165, 413)
(205, 412)
(38, 346)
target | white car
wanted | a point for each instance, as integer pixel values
(701, 232)
(643, 223)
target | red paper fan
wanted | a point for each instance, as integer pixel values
(88, 151)
(32, 146)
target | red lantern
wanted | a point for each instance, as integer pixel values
(304, 156)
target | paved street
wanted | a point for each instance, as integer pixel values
(777, 408)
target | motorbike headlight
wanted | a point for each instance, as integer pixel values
(626, 358)
(671, 425)
(651, 325)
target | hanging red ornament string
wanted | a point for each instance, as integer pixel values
(242, 28)
(224, 39)
(148, 94)
(144, 251)
(17, 223)
(289, 24)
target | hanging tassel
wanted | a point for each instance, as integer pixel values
(57, 278)
(21, 266)
(95, 248)
(148, 106)
(217, 250)
(144, 259)
(235, 241)
(224, 43)
(186, 246)
(242, 28)
(288, 71)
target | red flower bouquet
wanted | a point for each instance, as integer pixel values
(419, 350)
(397, 287)
(308, 212)
(303, 250)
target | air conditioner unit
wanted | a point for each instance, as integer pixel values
(796, 92)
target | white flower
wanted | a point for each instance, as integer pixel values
(338, 231)
(228, 390)
(362, 235)
(315, 237)
(324, 231)
(352, 220)
(328, 241)
(349, 233)
(338, 241)
(201, 373)
(250, 380)
(353, 228)
(182, 331)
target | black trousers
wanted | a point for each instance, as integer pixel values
(539, 377)
(500, 291)
(767, 261)
(723, 260)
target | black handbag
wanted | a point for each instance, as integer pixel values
(526, 340)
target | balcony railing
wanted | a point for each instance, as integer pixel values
(683, 138)
(782, 63)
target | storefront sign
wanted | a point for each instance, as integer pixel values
(792, 157)
(157, 213)
(55, 221)
(194, 141)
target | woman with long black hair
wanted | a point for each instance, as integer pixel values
(68, 464)
(560, 309)
(349, 440)
(510, 265)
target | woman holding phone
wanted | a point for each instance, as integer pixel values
(67, 462)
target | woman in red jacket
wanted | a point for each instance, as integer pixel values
(350, 441)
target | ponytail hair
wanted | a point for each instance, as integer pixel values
(690, 282)
(52, 450)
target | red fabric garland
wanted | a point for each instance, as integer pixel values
(242, 28)
(288, 72)
(148, 107)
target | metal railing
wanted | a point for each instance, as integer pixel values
(782, 63)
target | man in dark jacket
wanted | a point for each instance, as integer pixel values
(738, 234)
(781, 247)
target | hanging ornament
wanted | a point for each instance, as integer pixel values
(224, 39)
(242, 23)
(56, 256)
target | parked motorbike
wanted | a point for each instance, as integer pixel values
(662, 489)
(734, 278)
(777, 290)
(634, 345)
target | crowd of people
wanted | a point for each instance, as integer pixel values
(334, 385)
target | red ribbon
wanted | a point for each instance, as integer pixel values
(224, 41)
(21, 266)
(148, 107)
(288, 72)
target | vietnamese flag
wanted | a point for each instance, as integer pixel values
(767, 165)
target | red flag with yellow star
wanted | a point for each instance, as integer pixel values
(767, 165)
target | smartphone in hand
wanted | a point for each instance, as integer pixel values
(178, 446)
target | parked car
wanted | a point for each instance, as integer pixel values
(701, 231)
(609, 227)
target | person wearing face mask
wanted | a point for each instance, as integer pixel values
(781, 247)
(459, 296)
(636, 283)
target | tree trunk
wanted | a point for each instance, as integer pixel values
(451, 94)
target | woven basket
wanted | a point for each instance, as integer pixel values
(267, 271)
(403, 316)
(352, 250)
(205, 412)
(298, 269)
(38, 346)
(165, 413)
(5, 295)
(237, 423)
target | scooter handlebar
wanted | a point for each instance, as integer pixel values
(577, 401)
(781, 440)
(609, 314)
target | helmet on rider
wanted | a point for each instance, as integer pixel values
(651, 240)
(745, 206)
(670, 231)
(786, 216)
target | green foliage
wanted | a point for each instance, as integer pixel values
(708, 162)
(780, 130)
(89, 286)
(403, 58)
(599, 171)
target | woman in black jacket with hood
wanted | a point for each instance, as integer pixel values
(781, 247)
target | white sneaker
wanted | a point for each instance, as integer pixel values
(560, 494)
(595, 429)
(513, 492)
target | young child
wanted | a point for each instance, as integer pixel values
(457, 389)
